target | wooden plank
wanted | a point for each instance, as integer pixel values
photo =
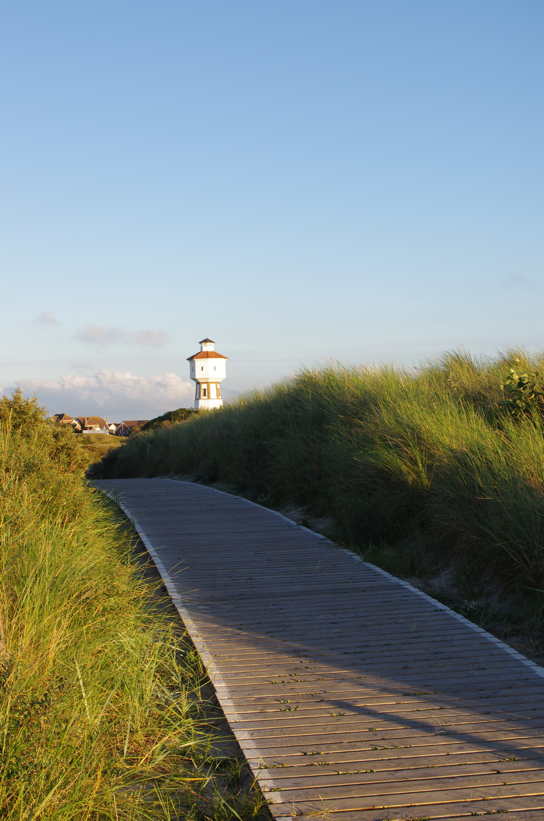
(354, 785)
(397, 705)
(372, 756)
(473, 804)
(396, 770)
(456, 662)
(321, 744)
(352, 696)
(331, 732)
(434, 788)
(527, 809)
(290, 720)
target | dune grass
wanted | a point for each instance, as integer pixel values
(423, 471)
(97, 445)
(101, 709)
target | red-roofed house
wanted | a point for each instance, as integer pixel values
(93, 424)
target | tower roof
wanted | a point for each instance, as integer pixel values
(202, 341)
(207, 355)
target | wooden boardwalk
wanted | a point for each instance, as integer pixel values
(353, 696)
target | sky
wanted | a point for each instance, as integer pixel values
(304, 182)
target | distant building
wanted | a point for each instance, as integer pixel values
(93, 424)
(65, 419)
(208, 368)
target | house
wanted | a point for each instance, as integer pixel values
(63, 418)
(66, 419)
(130, 426)
(93, 424)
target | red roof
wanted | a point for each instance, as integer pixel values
(87, 421)
(207, 355)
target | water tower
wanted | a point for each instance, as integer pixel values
(208, 368)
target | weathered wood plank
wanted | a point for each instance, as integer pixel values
(514, 810)
(486, 765)
(436, 788)
(444, 805)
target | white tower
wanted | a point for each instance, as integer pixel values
(208, 369)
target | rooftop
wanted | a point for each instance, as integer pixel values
(207, 355)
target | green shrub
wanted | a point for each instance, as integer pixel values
(524, 392)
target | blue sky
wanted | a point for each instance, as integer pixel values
(304, 182)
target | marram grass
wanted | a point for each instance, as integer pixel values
(430, 459)
(100, 708)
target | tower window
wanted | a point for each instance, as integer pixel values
(204, 392)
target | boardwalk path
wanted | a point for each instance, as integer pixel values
(353, 697)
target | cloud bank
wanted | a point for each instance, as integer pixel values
(103, 335)
(116, 395)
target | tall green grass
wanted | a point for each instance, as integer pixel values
(100, 708)
(428, 458)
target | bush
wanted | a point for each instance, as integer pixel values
(524, 392)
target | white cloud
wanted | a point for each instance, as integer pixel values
(114, 394)
(106, 335)
(46, 318)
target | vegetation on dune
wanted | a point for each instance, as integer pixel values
(101, 712)
(97, 445)
(439, 469)
(173, 417)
